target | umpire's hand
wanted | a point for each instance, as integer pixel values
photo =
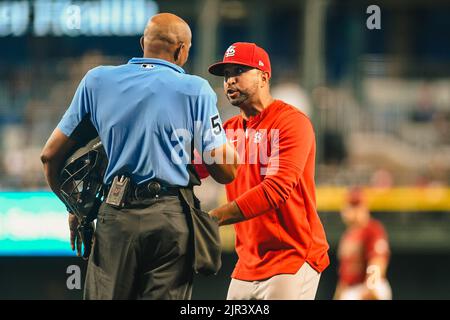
(75, 237)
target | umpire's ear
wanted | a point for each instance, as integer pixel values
(142, 43)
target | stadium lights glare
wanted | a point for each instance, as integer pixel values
(75, 18)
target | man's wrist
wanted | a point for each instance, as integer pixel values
(213, 216)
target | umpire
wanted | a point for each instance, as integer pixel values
(146, 113)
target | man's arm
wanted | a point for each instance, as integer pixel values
(225, 173)
(338, 292)
(296, 141)
(59, 145)
(219, 156)
(377, 247)
(376, 272)
(224, 162)
(53, 156)
(227, 214)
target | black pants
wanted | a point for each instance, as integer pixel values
(141, 251)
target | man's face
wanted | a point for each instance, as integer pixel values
(354, 214)
(241, 83)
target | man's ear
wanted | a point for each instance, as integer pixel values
(177, 52)
(265, 77)
(142, 43)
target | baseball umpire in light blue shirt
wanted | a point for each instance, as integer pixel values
(148, 113)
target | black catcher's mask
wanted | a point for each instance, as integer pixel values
(82, 179)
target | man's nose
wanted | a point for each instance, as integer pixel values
(230, 80)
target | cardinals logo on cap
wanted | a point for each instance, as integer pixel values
(230, 51)
(245, 54)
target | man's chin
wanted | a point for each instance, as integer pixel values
(236, 102)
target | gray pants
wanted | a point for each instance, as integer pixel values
(300, 286)
(141, 252)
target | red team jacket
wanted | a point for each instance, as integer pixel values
(275, 190)
(357, 246)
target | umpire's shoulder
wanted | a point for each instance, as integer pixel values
(195, 85)
(93, 77)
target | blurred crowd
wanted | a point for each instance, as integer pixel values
(398, 133)
(33, 99)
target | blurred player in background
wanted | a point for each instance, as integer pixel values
(280, 240)
(363, 253)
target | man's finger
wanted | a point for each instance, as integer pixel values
(79, 242)
(73, 223)
(72, 240)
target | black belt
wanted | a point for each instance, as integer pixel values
(150, 189)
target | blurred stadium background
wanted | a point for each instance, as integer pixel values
(379, 100)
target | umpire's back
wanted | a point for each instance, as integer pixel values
(146, 113)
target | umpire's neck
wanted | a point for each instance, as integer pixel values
(178, 57)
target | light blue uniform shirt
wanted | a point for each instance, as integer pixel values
(146, 113)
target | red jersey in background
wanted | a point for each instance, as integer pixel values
(357, 246)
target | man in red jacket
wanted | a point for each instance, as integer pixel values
(363, 253)
(280, 240)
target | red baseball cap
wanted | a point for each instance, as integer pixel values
(243, 53)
